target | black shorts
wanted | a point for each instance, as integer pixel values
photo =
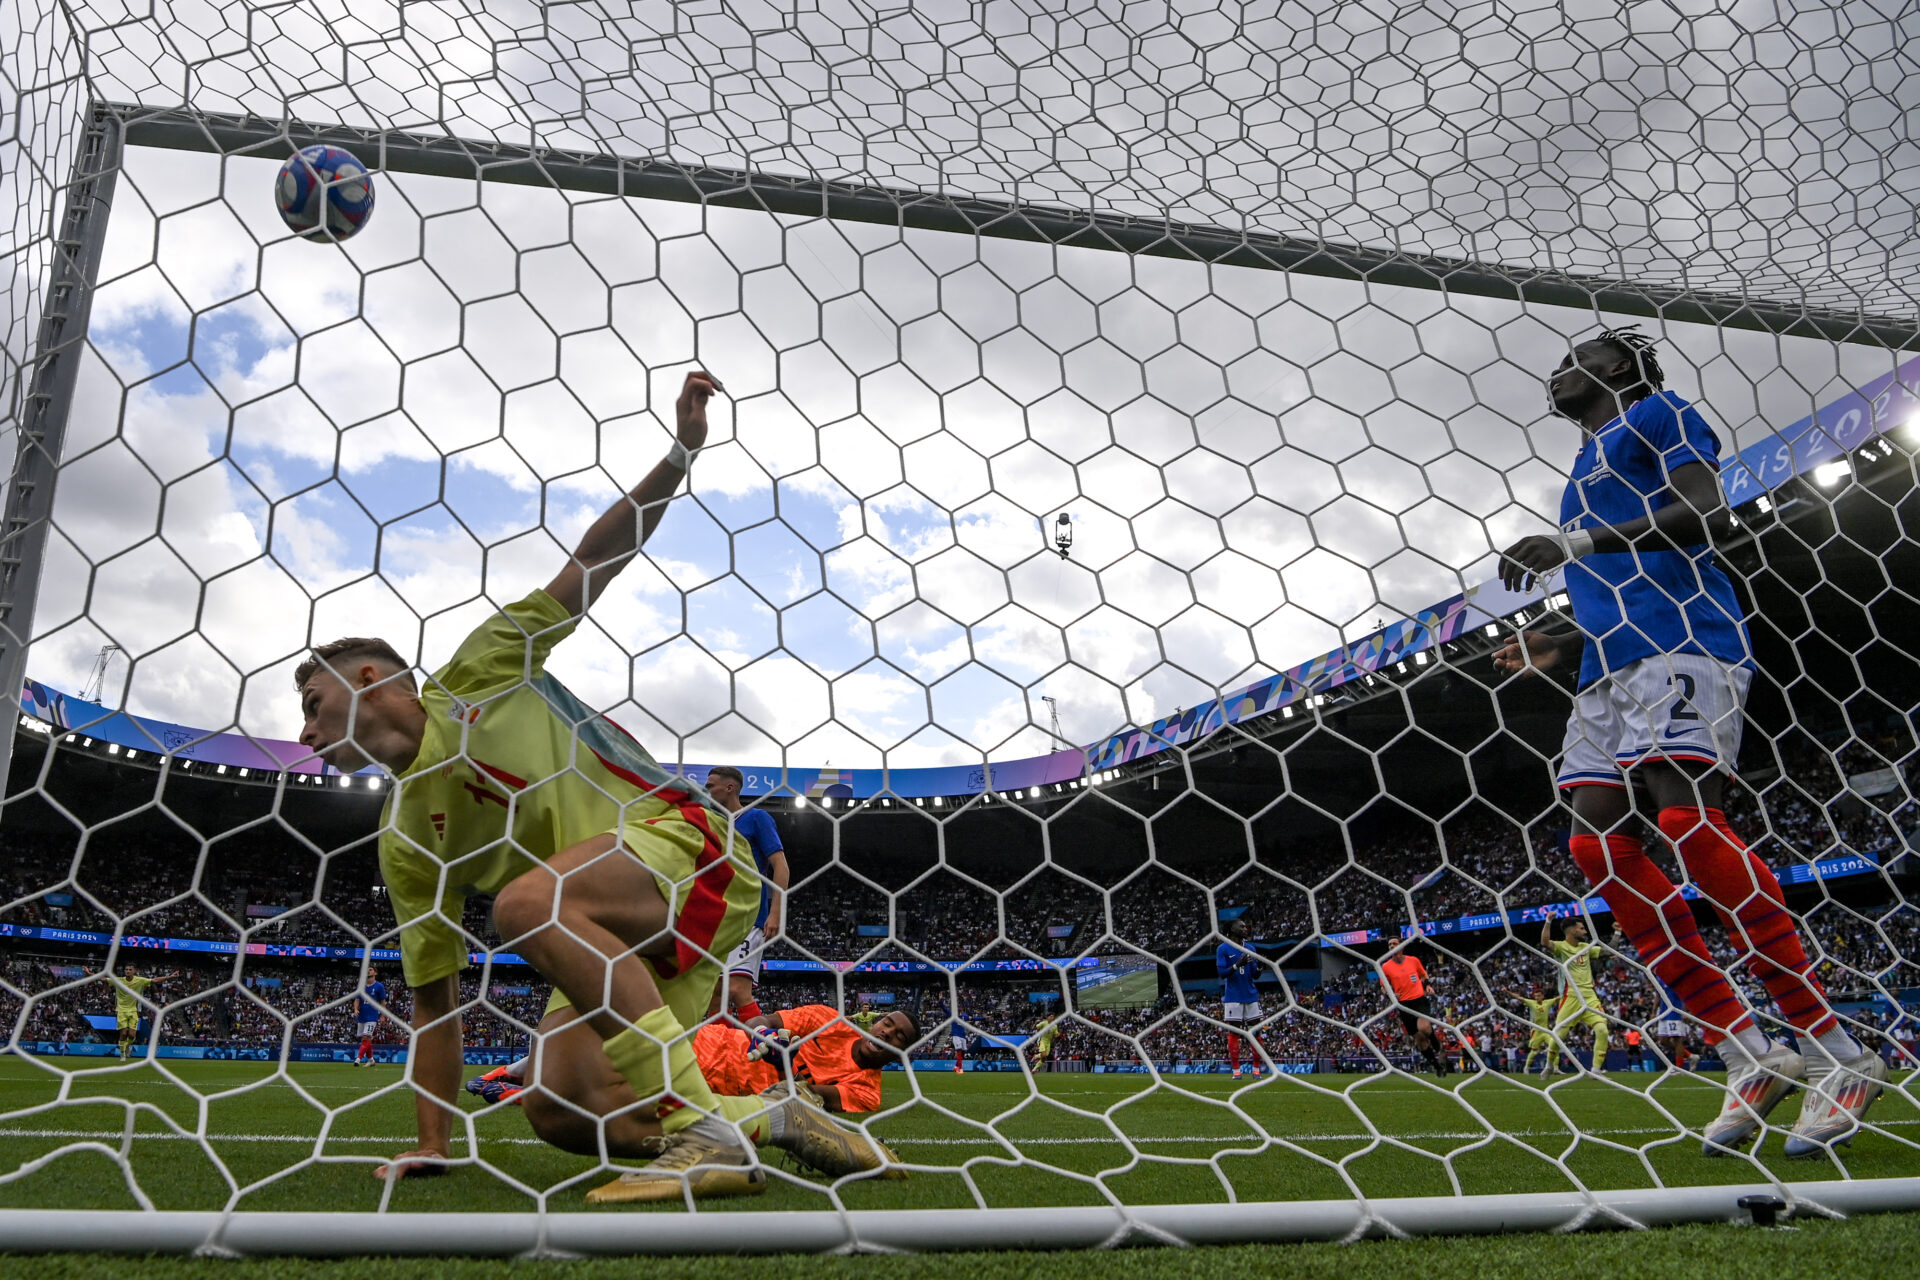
(1411, 1011)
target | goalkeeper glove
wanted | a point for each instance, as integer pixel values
(767, 1040)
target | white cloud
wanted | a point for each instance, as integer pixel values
(1258, 465)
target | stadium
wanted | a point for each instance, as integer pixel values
(1107, 593)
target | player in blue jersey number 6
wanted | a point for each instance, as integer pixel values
(1664, 669)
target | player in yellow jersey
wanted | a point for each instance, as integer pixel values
(866, 1015)
(1540, 1017)
(1579, 1004)
(1043, 1038)
(129, 988)
(622, 883)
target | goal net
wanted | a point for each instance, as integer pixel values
(1203, 813)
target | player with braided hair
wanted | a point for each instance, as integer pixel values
(1664, 668)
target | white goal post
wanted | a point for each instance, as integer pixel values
(323, 1234)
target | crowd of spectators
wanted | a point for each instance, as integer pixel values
(1346, 1015)
(1477, 861)
(264, 1003)
(1337, 1015)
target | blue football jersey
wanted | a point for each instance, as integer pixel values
(369, 1008)
(1236, 965)
(1634, 604)
(758, 827)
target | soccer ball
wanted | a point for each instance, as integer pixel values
(324, 193)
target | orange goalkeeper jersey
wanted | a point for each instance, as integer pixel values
(824, 1056)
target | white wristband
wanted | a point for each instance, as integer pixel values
(1577, 543)
(680, 456)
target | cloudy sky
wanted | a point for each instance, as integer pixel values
(280, 442)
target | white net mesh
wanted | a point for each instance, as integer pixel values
(975, 279)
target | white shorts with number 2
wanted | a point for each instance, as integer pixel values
(1672, 706)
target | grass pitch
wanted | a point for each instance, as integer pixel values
(209, 1135)
(1878, 1247)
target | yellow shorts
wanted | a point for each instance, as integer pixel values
(1540, 1040)
(714, 894)
(1577, 1012)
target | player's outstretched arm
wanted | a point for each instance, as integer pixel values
(624, 528)
(1685, 522)
(435, 1061)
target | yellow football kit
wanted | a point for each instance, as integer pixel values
(1580, 1005)
(512, 769)
(126, 1000)
(1540, 1017)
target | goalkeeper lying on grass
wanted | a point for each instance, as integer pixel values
(834, 1066)
(777, 1077)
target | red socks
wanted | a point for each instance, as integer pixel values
(366, 1048)
(751, 1009)
(1743, 889)
(1233, 1050)
(1659, 923)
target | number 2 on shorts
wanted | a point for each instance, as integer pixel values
(1682, 705)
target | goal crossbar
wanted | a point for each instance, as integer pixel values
(652, 179)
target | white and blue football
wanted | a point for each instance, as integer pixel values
(324, 193)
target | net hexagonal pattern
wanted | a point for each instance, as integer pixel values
(1110, 394)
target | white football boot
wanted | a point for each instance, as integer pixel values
(1755, 1086)
(1838, 1095)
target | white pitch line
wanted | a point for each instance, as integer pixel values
(1239, 1140)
